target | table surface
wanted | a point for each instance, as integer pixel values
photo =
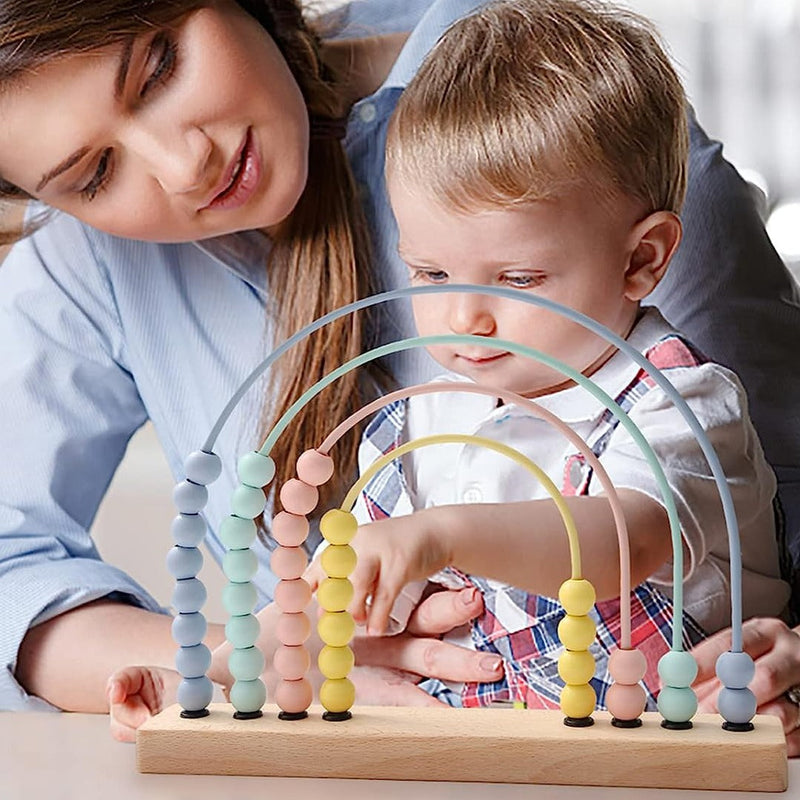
(72, 757)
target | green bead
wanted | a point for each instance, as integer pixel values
(237, 533)
(248, 696)
(336, 628)
(338, 560)
(576, 667)
(338, 527)
(239, 598)
(247, 501)
(677, 668)
(255, 469)
(576, 633)
(577, 597)
(246, 664)
(242, 631)
(240, 565)
(335, 662)
(677, 704)
(334, 594)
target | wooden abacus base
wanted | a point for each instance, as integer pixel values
(491, 745)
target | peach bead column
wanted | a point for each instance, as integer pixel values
(299, 497)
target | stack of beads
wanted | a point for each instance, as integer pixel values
(625, 698)
(184, 561)
(576, 664)
(736, 702)
(677, 702)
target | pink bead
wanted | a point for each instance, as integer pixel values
(314, 468)
(293, 696)
(288, 563)
(292, 596)
(290, 530)
(292, 629)
(625, 702)
(298, 497)
(627, 666)
(292, 663)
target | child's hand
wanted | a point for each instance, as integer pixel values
(392, 553)
(137, 693)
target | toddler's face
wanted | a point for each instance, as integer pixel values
(572, 250)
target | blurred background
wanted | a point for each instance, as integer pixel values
(740, 62)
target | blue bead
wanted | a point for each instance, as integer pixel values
(677, 668)
(735, 670)
(736, 705)
(184, 562)
(188, 530)
(189, 498)
(194, 694)
(201, 467)
(189, 595)
(247, 501)
(255, 469)
(248, 696)
(677, 704)
(246, 664)
(189, 629)
(237, 533)
(193, 662)
(239, 598)
(239, 565)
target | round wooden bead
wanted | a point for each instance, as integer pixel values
(292, 595)
(338, 560)
(625, 701)
(336, 628)
(298, 497)
(248, 501)
(735, 670)
(248, 696)
(189, 498)
(337, 695)
(336, 662)
(193, 662)
(289, 530)
(578, 701)
(736, 705)
(189, 595)
(576, 633)
(293, 697)
(246, 664)
(189, 629)
(202, 467)
(184, 562)
(240, 565)
(677, 704)
(627, 666)
(337, 526)
(291, 662)
(334, 594)
(288, 563)
(237, 533)
(188, 530)
(576, 667)
(255, 469)
(677, 668)
(577, 597)
(293, 629)
(239, 598)
(194, 694)
(314, 468)
(242, 631)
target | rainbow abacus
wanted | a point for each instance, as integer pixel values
(634, 748)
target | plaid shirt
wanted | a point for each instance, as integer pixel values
(530, 652)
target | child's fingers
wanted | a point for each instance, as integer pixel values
(382, 601)
(126, 717)
(363, 580)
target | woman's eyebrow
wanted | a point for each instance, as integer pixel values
(67, 163)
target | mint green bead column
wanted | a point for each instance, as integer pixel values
(677, 701)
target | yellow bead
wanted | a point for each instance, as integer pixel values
(336, 628)
(335, 594)
(576, 633)
(337, 695)
(576, 667)
(337, 526)
(336, 662)
(338, 561)
(578, 701)
(577, 597)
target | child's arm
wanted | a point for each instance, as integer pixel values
(523, 544)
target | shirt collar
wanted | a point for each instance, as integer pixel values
(244, 254)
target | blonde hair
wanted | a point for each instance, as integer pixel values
(525, 98)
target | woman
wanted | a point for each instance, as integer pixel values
(193, 154)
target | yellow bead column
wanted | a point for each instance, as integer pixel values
(576, 664)
(336, 627)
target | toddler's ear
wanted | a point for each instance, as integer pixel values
(654, 241)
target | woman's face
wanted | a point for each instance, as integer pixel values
(180, 134)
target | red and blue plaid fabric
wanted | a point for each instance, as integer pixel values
(530, 653)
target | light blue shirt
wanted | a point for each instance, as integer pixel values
(99, 334)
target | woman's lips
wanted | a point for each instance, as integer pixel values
(479, 360)
(242, 178)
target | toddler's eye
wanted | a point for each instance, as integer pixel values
(523, 280)
(429, 275)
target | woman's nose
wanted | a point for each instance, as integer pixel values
(471, 315)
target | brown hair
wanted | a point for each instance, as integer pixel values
(525, 97)
(320, 255)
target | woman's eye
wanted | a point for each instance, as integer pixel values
(163, 55)
(429, 275)
(523, 280)
(100, 178)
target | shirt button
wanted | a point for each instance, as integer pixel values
(367, 112)
(472, 495)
